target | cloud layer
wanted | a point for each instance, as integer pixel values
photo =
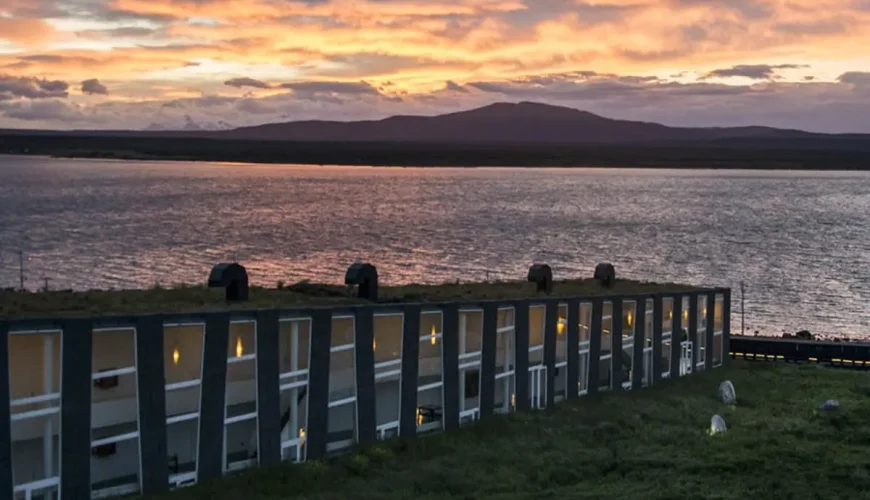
(173, 63)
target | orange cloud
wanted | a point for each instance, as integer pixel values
(24, 32)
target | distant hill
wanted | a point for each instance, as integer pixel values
(515, 123)
(524, 122)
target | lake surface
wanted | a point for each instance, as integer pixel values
(799, 240)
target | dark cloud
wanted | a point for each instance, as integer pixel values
(821, 27)
(93, 86)
(350, 88)
(454, 87)
(859, 78)
(753, 71)
(31, 88)
(52, 110)
(247, 82)
(748, 9)
(123, 32)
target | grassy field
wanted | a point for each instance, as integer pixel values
(199, 298)
(649, 444)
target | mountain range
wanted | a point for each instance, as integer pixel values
(516, 123)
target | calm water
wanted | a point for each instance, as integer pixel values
(800, 241)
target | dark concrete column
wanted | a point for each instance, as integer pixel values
(268, 393)
(6, 485)
(318, 383)
(708, 332)
(639, 343)
(551, 320)
(658, 319)
(410, 371)
(573, 345)
(450, 352)
(595, 346)
(75, 409)
(152, 404)
(676, 335)
(213, 399)
(487, 364)
(365, 376)
(521, 325)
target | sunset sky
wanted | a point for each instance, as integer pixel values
(134, 64)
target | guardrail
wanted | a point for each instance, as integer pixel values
(842, 354)
(108, 406)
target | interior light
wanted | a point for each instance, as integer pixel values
(175, 355)
(433, 336)
(374, 345)
(629, 318)
(420, 415)
(301, 435)
(239, 348)
(560, 326)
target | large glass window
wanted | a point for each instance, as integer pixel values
(583, 348)
(342, 421)
(702, 331)
(649, 313)
(537, 369)
(35, 385)
(685, 341)
(241, 438)
(505, 359)
(182, 361)
(115, 455)
(430, 379)
(667, 335)
(387, 347)
(470, 342)
(605, 367)
(624, 367)
(294, 341)
(718, 328)
(561, 383)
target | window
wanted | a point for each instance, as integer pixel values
(625, 365)
(718, 329)
(537, 369)
(241, 440)
(505, 353)
(182, 361)
(702, 331)
(470, 342)
(583, 348)
(342, 420)
(605, 372)
(294, 341)
(667, 335)
(685, 341)
(561, 383)
(115, 454)
(649, 315)
(430, 381)
(35, 385)
(387, 347)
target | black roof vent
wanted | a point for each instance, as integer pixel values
(233, 278)
(365, 277)
(605, 274)
(542, 276)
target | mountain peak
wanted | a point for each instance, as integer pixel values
(526, 110)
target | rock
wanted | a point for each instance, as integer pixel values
(831, 404)
(727, 394)
(717, 425)
(804, 335)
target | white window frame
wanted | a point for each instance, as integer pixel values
(343, 445)
(298, 379)
(702, 332)
(125, 489)
(247, 417)
(510, 362)
(583, 349)
(438, 337)
(667, 336)
(718, 335)
(468, 361)
(606, 357)
(52, 482)
(184, 479)
(394, 369)
(562, 366)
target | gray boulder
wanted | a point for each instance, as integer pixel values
(831, 404)
(717, 425)
(727, 394)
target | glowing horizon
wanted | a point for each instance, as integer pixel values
(221, 63)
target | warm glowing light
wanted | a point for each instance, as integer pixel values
(686, 314)
(420, 415)
(670, 314)
(629, 318)
(239, 348)
(374, 345)
(301, 435)
(175, 355)
(560, 326)
(514, 400)
(433, 336)
(705, 313)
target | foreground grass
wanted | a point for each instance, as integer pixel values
(199, 298)
(649, 444)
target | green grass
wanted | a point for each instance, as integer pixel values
(649, 444)
(199, 298)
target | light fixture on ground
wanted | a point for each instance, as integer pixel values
(605, 274)
(231, 277)
(365, 278)
(542, 276)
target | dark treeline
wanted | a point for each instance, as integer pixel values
(776, 154)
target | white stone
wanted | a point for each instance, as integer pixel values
(727, 394)
(717, 425)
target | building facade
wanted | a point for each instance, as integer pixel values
(104, 407)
